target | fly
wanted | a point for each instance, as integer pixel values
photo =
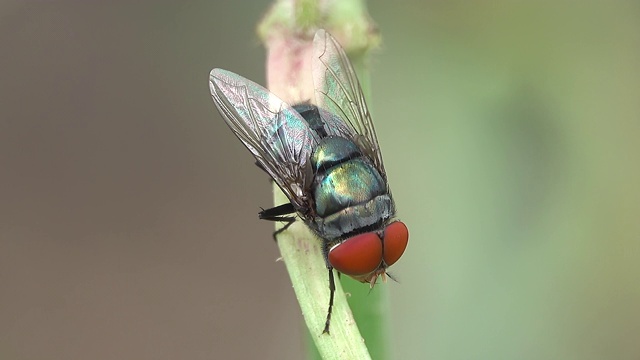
(325, 158)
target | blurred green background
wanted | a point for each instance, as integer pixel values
(128, 224)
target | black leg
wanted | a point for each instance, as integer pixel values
(290, 221)
(278, 214)
(332, 290)
(392, 278)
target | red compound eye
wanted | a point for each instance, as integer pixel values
(396, 237)
(359, 255)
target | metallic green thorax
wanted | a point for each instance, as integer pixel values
(350, 183)
(349, 192)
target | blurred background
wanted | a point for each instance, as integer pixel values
(128, 225)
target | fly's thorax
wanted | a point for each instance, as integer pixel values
(349, 192)
(347, 184)
(355, 217)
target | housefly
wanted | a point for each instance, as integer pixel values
(325, 158)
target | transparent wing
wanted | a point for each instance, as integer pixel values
(277, 136)
(338, 91)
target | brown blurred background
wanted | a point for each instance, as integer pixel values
(128, 224)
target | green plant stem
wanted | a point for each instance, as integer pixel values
(302, 254)
(287, 31)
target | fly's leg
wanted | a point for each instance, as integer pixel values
(279, 213)
(283, 213)
(332, 284)
(332, 290)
